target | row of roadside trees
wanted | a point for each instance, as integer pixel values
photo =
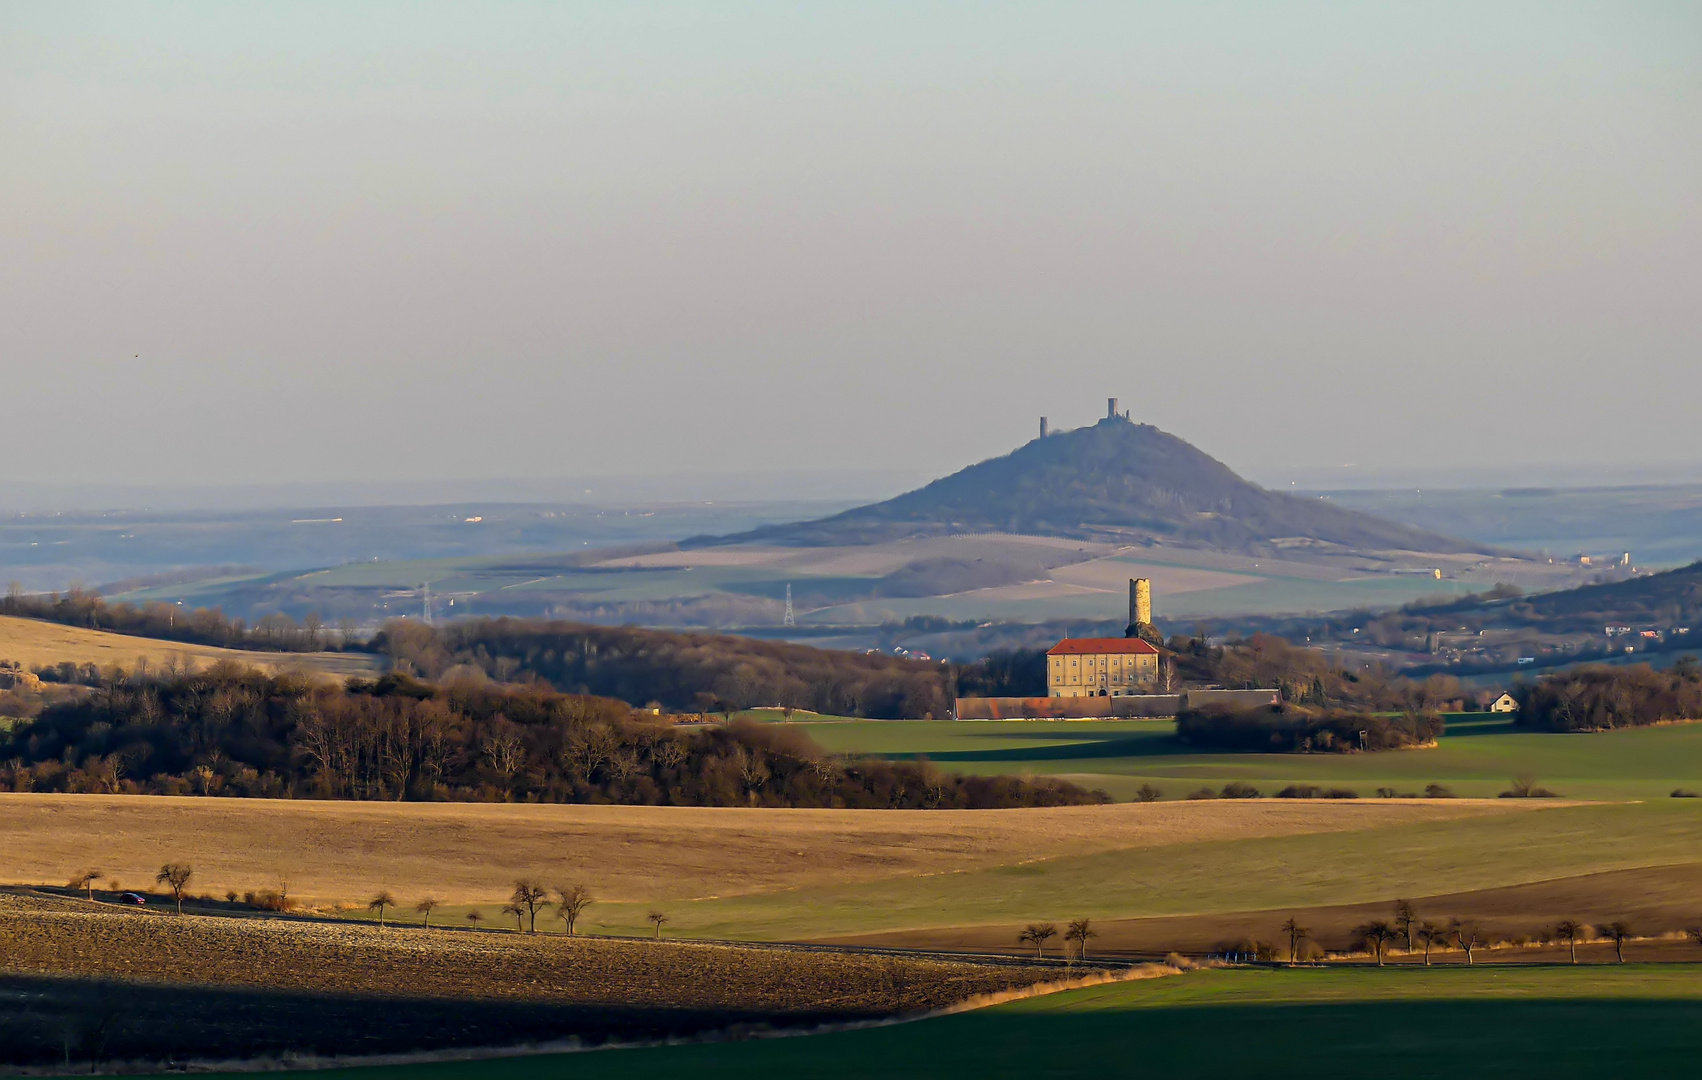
(1379, 936)
(529, 898)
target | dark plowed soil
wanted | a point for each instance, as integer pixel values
(123, 984)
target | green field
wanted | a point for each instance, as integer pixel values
(1369, 865)
(1523, 1022)
(1477, 757)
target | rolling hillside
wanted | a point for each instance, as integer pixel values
(35, 643)
(1115, 481)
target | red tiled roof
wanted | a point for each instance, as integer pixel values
(1081, 646)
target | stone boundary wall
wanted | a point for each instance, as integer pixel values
(1135, 706)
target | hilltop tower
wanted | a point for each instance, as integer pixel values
(1140, 606)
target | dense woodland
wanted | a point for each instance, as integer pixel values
(696, 672)
(1297, 729)
(1603, 698)
(236, 731)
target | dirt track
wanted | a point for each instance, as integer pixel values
(472, 853)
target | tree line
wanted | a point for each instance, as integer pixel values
(169, 622)
(231, 730)
(1421, 936)
(1600, 698)
(685, 671)
(1298, 729)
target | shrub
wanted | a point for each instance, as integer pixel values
(1525, 787)
(1437, 791)
(1298, 729)
(1681, 793)
(1313, 791)
(1202, 793)
(1148, 793)
(1237, 789)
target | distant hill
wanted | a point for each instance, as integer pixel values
(1114, 481)
(1664, 600)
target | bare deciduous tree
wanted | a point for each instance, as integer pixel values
(175, 876)
(657, 918)
(1618, 933)
(84, 880)
(529, 895)
(1078, 932)
(474, 917)
(1567, 930)
(504, 754)
(1431, 934)
(1038, 934)
(1377, 935)
(1406, 921)
(1467, 934)
(1296, 934)
(378, 903)
(571, 902)
(425, 907)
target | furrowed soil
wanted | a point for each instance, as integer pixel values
(35, 643)
(123, 983)
(472, 853)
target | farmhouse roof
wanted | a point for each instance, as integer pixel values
(1083, 646)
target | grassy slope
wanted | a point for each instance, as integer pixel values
(1542, 1022)
(1476, 758)
(1369, 865)
(36, 643)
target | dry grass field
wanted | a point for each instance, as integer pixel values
(34, 643)
(472, 853)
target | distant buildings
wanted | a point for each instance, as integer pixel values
(1503, 704)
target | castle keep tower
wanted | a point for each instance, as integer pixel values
(1140, 605)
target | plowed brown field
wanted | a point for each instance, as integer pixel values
(91, 981)
(52, 936)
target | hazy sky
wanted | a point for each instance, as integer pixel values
(306, 242)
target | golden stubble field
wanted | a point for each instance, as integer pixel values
(34, 643)
(465, 853)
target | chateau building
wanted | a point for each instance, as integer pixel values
(1100, 667)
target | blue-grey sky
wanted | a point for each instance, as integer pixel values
(341, 241)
